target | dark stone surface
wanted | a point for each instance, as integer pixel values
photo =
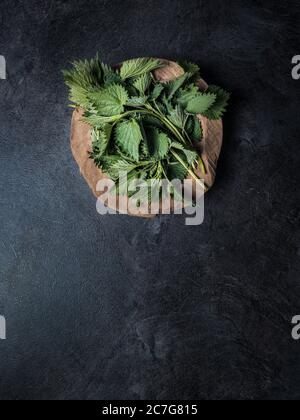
(122, 308)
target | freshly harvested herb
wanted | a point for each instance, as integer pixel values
(140, 125)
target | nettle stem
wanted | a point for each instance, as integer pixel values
(157, 114)
(176, 133)
(167, 123)
(193, 175)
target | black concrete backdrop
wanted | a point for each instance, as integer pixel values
(122, 308)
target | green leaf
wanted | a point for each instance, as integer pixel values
(110, 101)
(184, 96)
(128, 138)
(219, 107)
(124, 182)
(167, 104)
(176, 171)
(175, 85)
(80, 96)
(190, 67)
(120, 166)
(158, 143)
(158, 89)
(112, 165)
(137, 101)
(85, 76)
(194, 128)
(110, 76)
(100, 140)
(144, 149)
(177, 117)
(98, 121)
(201, 103)
(142, 83)
(138, 67)
(191, 156)
(104, 162)
(197, 130)
(144, 143)
(176, 145)
(150, 120)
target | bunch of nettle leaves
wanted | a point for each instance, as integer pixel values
(141, 126)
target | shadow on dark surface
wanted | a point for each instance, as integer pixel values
(123, 308)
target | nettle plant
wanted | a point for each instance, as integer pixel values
(141, 126)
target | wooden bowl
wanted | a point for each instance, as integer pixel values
(209, 147)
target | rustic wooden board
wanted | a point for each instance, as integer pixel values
(209, 148)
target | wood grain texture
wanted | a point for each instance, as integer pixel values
(209, 148)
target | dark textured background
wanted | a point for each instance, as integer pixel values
(116, 307)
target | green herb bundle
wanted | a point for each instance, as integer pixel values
(141, 126)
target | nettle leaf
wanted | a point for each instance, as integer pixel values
(176, 171)
(201, 103)
(219, 107)
(150, 120)
(167, 104)
(131, 90)
(190, 67)
(197, 130)
(105, 161)
(163, 106)
(100, 140)
(158, 143)
(138, 67)
(110, 76)
(145, 153)
(111, 100)
(137, 101)
(184, 96)
(118, 167)
(142, 83)
(160, 170)
(177, 117)
(96, 120)
(157, 91)
(153, 170)
(191, 156)
(177, 146)
(85, 76)
(194, 128)
(175, 85)
(144, 148)
(80, 96)
(124, 183)
(128, 138)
